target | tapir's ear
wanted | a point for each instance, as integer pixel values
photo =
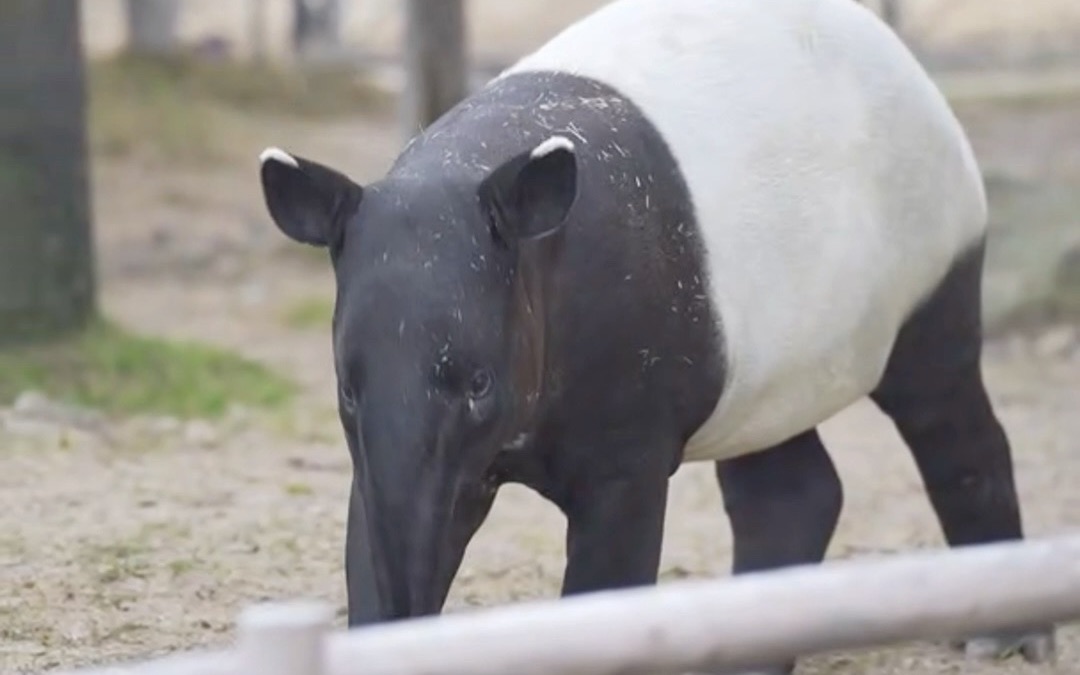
(309, 202)
(529, 195)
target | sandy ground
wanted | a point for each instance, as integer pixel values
(125, 539)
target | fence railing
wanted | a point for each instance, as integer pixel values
(730, 623)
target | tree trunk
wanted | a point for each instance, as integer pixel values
(152, 26)
(436, 63)
(888, 10)
(257, 29)
(890, 13)
(316, 26)
(47, 277)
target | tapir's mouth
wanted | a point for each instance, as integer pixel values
(421, 502)
(409, 577)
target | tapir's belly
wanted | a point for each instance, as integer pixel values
(774, 402)
(832, 187)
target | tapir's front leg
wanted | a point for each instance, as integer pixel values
(615, 531)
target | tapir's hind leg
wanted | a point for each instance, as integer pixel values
(783, 504)
(933, 391)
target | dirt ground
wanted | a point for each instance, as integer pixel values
(123, 539)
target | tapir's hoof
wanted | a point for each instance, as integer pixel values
(1034, 646)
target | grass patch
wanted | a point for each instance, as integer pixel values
(106, 368)
(118, 561)
(181, 566)
(132, 111)
(298, 489)
(12, 544)
(308, 313)
(123, 630)
(183, 108)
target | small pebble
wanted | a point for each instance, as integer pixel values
(1056, 343)
(31, 402)
(200, 433)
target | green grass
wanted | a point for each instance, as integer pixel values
(133, 110)
(298, 489)
(184, 109)
(181, 566)
(308, 313)
(107, 368)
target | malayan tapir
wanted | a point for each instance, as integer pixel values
(679, 231)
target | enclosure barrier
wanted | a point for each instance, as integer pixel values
(676, 627)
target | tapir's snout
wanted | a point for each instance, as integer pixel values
(420, 512)
(406, 566)
(408, 501)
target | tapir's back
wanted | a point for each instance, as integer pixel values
(832, 185)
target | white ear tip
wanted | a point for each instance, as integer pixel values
(278, 155)
(551, 145)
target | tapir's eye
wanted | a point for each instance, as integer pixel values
(480, 383)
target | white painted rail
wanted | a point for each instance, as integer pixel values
(678, 626)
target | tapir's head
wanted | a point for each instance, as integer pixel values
(438, 340)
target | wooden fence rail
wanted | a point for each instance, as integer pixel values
(677, 627)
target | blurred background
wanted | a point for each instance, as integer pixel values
(169, 448)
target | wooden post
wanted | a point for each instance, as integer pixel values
(283, 638)
(152, 26)
(257, 30)
(47, 279)
(436, 63)
(888, 10)
(316, 27)
(890, 13)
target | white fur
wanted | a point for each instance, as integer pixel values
(278, 155)
(551, 145)
(832, 184)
